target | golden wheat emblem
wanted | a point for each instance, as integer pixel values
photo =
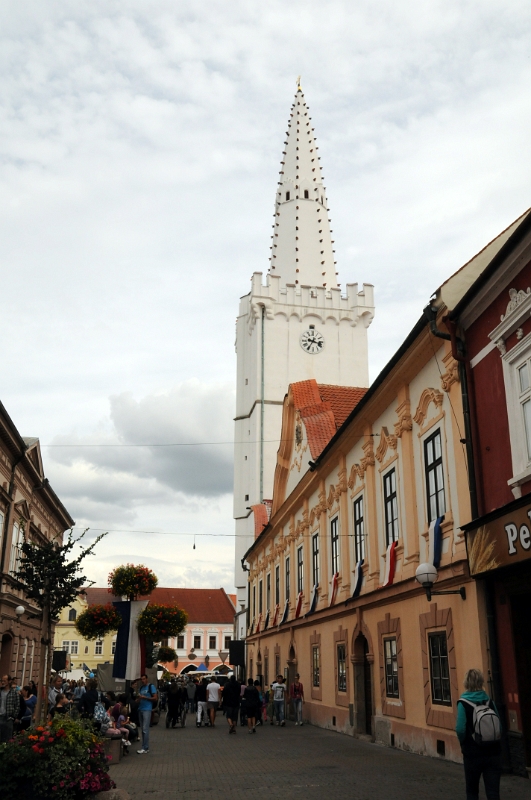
(480, 555)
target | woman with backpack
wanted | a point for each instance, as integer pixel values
(478, 730)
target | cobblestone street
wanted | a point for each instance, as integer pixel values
(291, 762)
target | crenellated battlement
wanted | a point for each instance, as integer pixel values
(303, 301)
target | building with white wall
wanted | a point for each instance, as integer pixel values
(296, 325)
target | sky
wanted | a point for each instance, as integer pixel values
(140, 149)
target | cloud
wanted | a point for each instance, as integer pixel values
(103, 477)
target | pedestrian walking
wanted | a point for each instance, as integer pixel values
(202, 705)
(148, 699)
(173, 698)
(261, 698)
(296, 694)
(231, 702)
(9, 708)
(191, 690)
(213, 697)
(252, 705)
(88, 701)
(30, 701)
(243, 706)
(279, 694)
(479, 731)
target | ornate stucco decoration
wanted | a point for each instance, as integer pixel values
(342, 484)
(256, 311)
(451, 375)
(500, 344)
(517, 298)
(386, 440)
(428, 396)
(356, 471)
(333, 497)
(368, 449)
(404, 423)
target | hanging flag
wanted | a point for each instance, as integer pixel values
(128, 654)
(335, 585)
(313, 601)
(266, 623)
(275, 616)
(258, 624)
(390, 564)
(285, 615)
(435, 542)
(299, 605)
(358, 578)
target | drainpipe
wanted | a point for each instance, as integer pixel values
(262, 410)
(458, 353)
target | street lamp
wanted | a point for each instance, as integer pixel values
(19, 610)
(427, 575)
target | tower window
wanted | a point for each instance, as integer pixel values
(247, 497)
(306, 194)
(287, 195)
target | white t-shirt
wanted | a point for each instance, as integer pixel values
(213, 692)
(279, 689)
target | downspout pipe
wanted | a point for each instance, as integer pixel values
(458, 349)
(262, 406)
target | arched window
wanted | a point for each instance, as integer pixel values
(72, 615)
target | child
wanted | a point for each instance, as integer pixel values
(60, 706)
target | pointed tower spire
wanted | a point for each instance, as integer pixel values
(302, 251)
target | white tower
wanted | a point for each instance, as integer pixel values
(295, 327)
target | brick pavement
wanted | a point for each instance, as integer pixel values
(307, 762)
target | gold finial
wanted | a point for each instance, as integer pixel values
(299, 83)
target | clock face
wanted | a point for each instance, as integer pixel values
(312, 341)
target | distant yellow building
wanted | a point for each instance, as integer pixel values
(82, 651)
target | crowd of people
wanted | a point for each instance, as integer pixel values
(129, 716)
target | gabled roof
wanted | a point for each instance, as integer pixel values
(202, 605)
(453, 290)
(323, 409)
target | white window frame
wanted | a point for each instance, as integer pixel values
(335, 545)
(66, 645)
(511, 363)
(113, 646)
(74, 647)
(518, 311)
(98, 647)
(16, 540)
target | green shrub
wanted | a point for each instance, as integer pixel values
(64, 760)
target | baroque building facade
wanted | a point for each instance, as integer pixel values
(28, 507)
(332, 575)
(296, 325)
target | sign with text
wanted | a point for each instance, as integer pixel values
(500, 542)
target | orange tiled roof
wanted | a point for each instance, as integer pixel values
(261, 518)
(323, 408)
(201, 605)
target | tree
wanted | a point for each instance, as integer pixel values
(52, 580)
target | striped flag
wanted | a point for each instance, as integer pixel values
(275, 617)
(335, 584)
(258, 624)
(128, 656)
(358, 578)
(266, 623)
(285, 614)
(313, 601)
(390, 564)
(299, 605)
(435, 542)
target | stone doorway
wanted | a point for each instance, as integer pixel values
(363, 711)
(6, 654)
